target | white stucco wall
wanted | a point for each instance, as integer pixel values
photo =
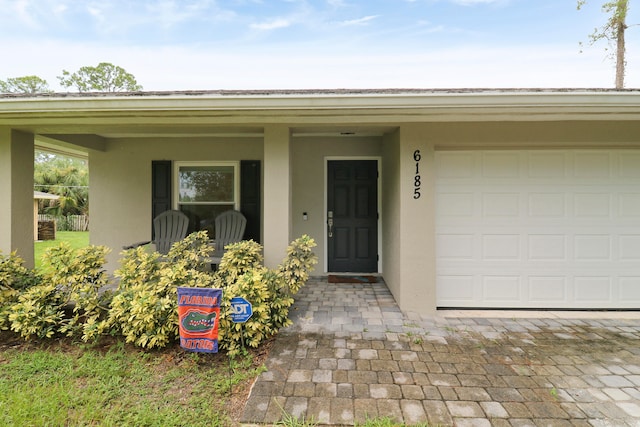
(120, 182)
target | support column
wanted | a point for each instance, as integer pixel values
(417, 220)
(16, 194)
(277, 193)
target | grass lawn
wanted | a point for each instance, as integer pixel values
(77, 239)
(60, 383)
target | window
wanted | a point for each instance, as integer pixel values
(205, 190)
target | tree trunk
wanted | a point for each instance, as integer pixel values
(621, 26)
(620, 57)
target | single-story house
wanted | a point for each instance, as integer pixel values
(457, 198)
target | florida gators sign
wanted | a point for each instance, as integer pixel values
(198, 317)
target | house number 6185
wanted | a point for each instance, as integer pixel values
(416, 179)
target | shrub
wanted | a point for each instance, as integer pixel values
(73, 282)
(270, 292)
(70, 297)
(295, 268)
(144, 308)
(14, 278)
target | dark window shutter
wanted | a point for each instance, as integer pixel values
(250, 178)
(160, 188)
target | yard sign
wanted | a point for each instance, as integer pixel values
(199, 317)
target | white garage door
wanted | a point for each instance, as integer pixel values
(538, 229)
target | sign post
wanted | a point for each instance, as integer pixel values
(241, 311)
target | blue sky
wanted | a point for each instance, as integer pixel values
(280, 44)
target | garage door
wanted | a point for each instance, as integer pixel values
(538, 229)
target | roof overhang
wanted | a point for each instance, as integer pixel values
(204, 113)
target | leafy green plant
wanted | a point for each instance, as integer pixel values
(14, 278)
(80, 277)
(270, 292)
(72, 281)
(144, 308)
(39, 312)
(71, 299)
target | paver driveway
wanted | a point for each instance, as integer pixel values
(351, 355)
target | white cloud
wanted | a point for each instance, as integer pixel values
(60, 8)
(359, 21)
(273, 24)
(96, 12)
(25, 12)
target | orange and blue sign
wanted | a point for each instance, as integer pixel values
(199, 318)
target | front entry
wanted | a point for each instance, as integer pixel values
(352, 216)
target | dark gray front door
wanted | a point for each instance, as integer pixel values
(352, 215)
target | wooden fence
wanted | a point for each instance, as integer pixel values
(68, 223)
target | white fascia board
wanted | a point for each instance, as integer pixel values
(478, 104)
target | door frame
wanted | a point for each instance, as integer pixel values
(378, 160)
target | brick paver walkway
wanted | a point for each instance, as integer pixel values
(351, 355)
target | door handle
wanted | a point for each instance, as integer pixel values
(330, 223)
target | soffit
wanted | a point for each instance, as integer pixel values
(307, 112)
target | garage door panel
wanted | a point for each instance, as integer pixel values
(456, 204)
(630, 289)
(501, 289)
(592, 165)
(455, 246)
(500, 164)
(629, 247)
(629, 165)
(501, 205)
(592, 247)
(501, 247)
(547, 247)
(543, 290)
(592, 289)
(629, 205)
(546, 165)
(456, 165)
(592, 205)
(457, 288)
(538, 229)
(547, 205)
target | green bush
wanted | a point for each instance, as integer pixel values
(144, 308)
(73, 281)
(70, 298)
(14, 279)
(270, 292)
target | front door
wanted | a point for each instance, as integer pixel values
(352, 216)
